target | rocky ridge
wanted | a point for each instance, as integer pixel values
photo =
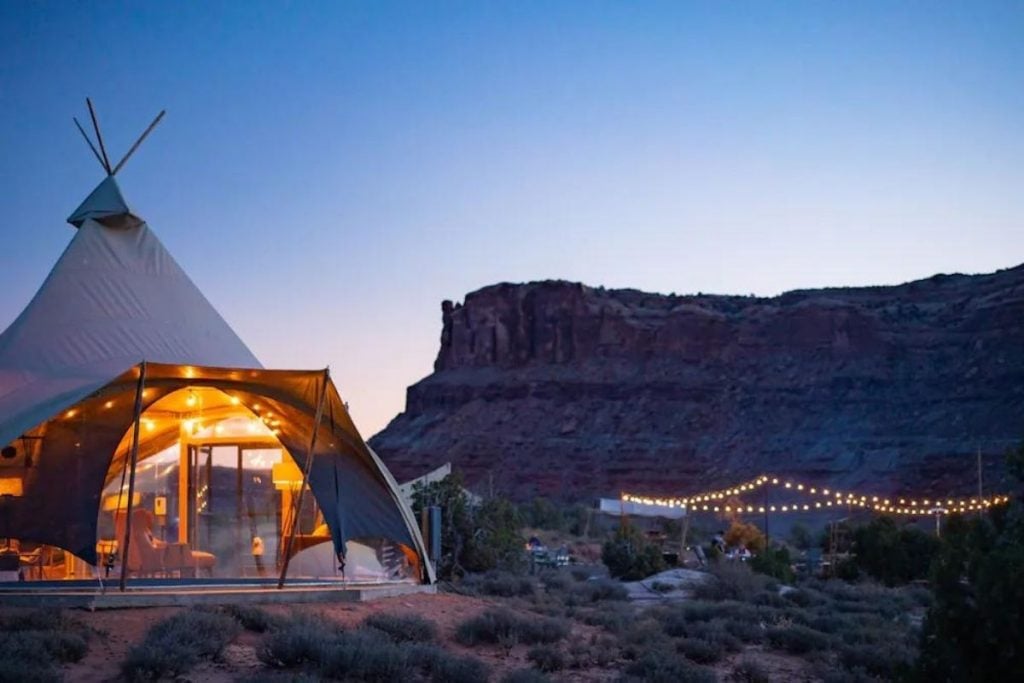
(564, 390)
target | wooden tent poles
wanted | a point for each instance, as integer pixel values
(137, 419)
(297, 506)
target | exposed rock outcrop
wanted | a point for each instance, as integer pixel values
(570, 391)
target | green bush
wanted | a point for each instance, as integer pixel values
(796, 639)
(497, 626)
(300, 641)
(546, 658)
(700, 650)
(173, 646)
(597, 590)
(731, 581)
(774, 562)
(630, 556)
(403, 628)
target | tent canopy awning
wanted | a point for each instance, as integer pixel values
(75, 449)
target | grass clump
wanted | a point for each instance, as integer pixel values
(546, 658)
(700, 650)
(796, 639)
(252, 618)
(656, 667)
(597, 590)
(317, 647)
(731, 581)
(500, 626)
(173, 646)
(499, 584)
(408, 628)
(35, 643)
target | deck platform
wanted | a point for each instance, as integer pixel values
(93, 594)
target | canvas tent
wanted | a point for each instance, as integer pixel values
(115, 302)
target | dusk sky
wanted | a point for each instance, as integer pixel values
(328, 173)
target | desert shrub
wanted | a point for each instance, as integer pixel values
(33, 643)
(525, 676)
(299, 641)
(499, 583)
(403, 628)
(501, 626)
(642, 636)
(731, 581)
(630, 556)
(598, 590)
(600, 651)
(774, 562)
(796, 639)
(175, 645)
(804, 597)
(749, 670)
(700, 650)
(889, 660)
(252, 618)
(442, 667)
(655, 667)
(556, 581)
(612, 617)
(546, 658)
(744, 630)
(365, 656)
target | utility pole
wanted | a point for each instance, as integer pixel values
(767, 538)
(981, 490)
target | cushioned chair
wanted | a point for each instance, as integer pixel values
(145, 552)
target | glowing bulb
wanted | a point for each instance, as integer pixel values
(235, 400)
(188, 424)
(108, 404)
(191, 400)
(70, 414)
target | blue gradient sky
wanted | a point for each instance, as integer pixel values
(329, 172)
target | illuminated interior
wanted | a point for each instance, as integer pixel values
(214, 496)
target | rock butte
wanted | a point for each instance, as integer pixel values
(559, 389)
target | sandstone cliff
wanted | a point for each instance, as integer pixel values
(572, 391)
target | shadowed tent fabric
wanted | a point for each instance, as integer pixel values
(68, 371)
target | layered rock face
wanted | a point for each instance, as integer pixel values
(569, 391)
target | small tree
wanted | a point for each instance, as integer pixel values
(473, 538)
(747, 535)
(630, 556)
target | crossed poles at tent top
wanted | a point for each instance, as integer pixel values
(101, 155)
(726, 500)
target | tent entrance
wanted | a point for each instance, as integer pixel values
(214, 492)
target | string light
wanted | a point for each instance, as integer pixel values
(868, 501)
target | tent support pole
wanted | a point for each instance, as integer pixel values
(305, 479)
(131, 475)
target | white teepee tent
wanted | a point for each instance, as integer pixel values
(115, 297)
(116, 303)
